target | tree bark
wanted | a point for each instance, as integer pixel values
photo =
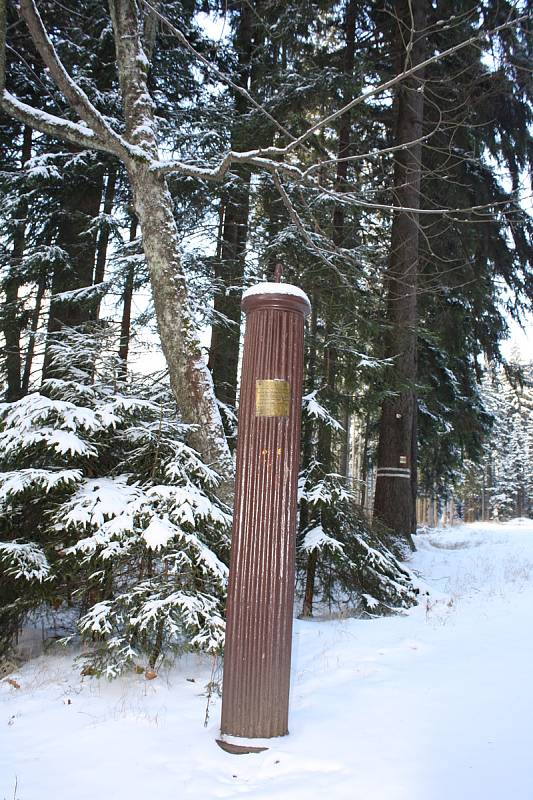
(127, 297)
(394, 501)
(36, 313)
(81, 200)
(229, 274)
(81, 205)
(103, 238)
(230, 263)
(11, 319)
(190, 379)
(364, 462)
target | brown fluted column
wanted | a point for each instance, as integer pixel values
(257, 652)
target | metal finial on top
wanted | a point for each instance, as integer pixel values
(278, 272)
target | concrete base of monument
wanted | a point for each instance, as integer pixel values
(240, 745)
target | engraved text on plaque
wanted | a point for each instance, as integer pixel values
(272, 398)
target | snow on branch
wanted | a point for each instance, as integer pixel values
(314, 409)
(19, 481)
(383, 87)
(74, 132)
(270, 160)
(252, 158)
(317, 539)
(24, 560)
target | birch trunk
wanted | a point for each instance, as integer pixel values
(190, 378)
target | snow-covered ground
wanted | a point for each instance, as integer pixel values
(433, 705)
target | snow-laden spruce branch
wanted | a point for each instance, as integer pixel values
(137, 148)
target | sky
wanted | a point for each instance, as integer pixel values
(522, 339)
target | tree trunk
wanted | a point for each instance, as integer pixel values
(81, 200)
(229, 274)
(103, 238)
(325, 439)
(345, 441)
(127, 297)
(36, 313)
(394, 501)
(190, 378)
(11, 320)
(309, 592)
(230, 262)
(364, 462)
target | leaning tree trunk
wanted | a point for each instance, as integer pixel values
(190, 379)
(138, 149)
(394, 501)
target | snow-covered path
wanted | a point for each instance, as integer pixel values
(434, 705)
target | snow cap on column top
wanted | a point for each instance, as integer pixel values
(276, 288)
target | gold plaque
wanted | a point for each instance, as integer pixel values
(272, 398)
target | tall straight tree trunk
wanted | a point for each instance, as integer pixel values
(364, 462)
(325, 439)
(103, 238)
(127, 298)
(345, 442)
(229, 274)
(34, 325)
(11, 320)
(230, 262)
(394, 501)
(80, 205)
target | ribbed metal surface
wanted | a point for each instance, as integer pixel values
(257, 653)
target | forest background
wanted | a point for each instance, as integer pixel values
(157, 159)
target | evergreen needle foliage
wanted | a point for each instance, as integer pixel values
(106, 510)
